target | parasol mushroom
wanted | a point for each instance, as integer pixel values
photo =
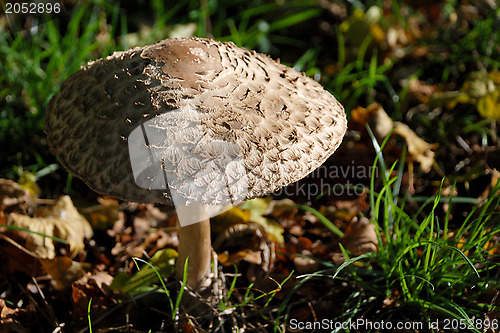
(194, 123)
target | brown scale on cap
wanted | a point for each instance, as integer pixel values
(284, 123)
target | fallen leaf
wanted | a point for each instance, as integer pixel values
(246, 242)
(14, 258)
(418, 149)
(95, 287)
(390, 302)
(27, 180)
(361, 116)
(305, 265)
(360, 24)
(13, 198)
(489, 105)
(360, 237)
(258, 208)
(104, 215)
(60, 222)
(305, 242)
(481, 89)
(64, 271)
(421, 91)
(10, 319)
(5, 311)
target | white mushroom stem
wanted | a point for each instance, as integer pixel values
(195, 244)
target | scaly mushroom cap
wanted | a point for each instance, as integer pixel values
(279, 125)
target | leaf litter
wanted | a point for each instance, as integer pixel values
(53, 250)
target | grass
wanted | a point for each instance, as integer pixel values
(425, 270)
(421, 265)
(88, 315)
(33, 66)
(35, 63)
(427, 266)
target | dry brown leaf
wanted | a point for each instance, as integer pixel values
(305, 265)
(104, 215)
(361, 116)
(418, 149)
(246, 242)
(227, 259)
(421, 91)
(390, 302)
(284, 208)
(148, 217)
(9, 318)
(61, 220)
(64, 271)
(95, 287)
(360, 237)
(495, 178)
(13, 258)
(5, 311)
(13, 197)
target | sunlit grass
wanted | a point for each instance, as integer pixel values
(420, 264)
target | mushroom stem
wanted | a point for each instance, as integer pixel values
(195, 244)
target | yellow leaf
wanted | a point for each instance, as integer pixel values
(359, 25)
(481, 89)
(61, 220)
(377, 32)
(258, 208)
(478, 85)
(495, 77)
(233, 216)
(249, 211)
(489, 105)
(27, 180)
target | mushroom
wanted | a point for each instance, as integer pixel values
(194, 123)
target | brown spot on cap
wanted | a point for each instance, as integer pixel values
(187, 60)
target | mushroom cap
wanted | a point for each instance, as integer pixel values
(261, 123)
